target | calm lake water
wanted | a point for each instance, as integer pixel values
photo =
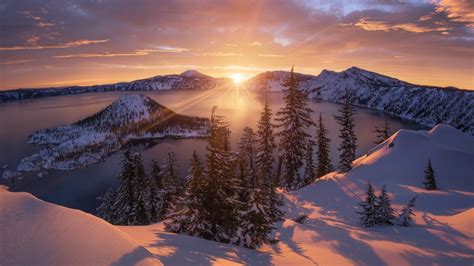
(80, 188)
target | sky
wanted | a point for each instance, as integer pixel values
(61, 43)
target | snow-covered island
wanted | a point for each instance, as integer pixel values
(130, 117)
(36, 232)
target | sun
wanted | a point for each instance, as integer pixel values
(238, 78)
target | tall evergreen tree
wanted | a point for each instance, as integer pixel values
(368, 215)
(324, 160)
(140, 191)
(186, 215)
(294, 121)
(309, 171)
(404, 218)
(349, 139)
(385, 213)
(383, 133)
(220, 199)
(430, 181)
(256, 222)
(266, 146)
(171, 184)
(155, 192)
(247, 145)
(119, 206)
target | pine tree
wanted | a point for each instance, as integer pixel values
(383, 133)
(140, 191)
(430, 181)
(309, 171)
(247, 145)
(324, 160)
(294, 121)
(404, 218)
(348, 145)
(255, 221)
(266, 146)
(155, 192)
(118, 207)
(385, 213)
(171, 184)
(368, 215)
(186, 215)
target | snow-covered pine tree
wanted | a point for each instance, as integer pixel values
(385, 213)
(255, 221)
(247, 145)
(155, 192)
(118, 206)
(171, 184)
(106, 209)
(266, 146)
(141, 194)
(221, 186)
(309, 171)
(382, 133)
(294, 120)
(430, 178)
(368, 215)
(324, 160)
(404, 218)
(186, 216)
(348, 145)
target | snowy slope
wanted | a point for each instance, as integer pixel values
(188, 80)
(94, 138)
(34, 232)
(423, 104)
(443, 233)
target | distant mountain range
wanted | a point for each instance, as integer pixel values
(427, 105)
(188, 80)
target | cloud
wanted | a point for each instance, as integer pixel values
(369, 25)
(138, 52)
(255, 44)
(458, 10)
(34, 40)
(269, 55)
(218, 54)
(17, 62)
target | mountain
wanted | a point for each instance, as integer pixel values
(35, 232)
(426, 105)
(87, 141)
(188, 80)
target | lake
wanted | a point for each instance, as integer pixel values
(80, 188)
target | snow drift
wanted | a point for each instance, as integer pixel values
(34, 232)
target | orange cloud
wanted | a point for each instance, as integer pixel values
(139, 52)
(369, 25)
(60, 46)
(17, 62)
(458, 10)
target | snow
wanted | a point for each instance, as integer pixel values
(192, 73)
(442, 233)
(34, 232)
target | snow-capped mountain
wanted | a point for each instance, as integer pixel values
(426, 105)
(188, 80)
(93, 138)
